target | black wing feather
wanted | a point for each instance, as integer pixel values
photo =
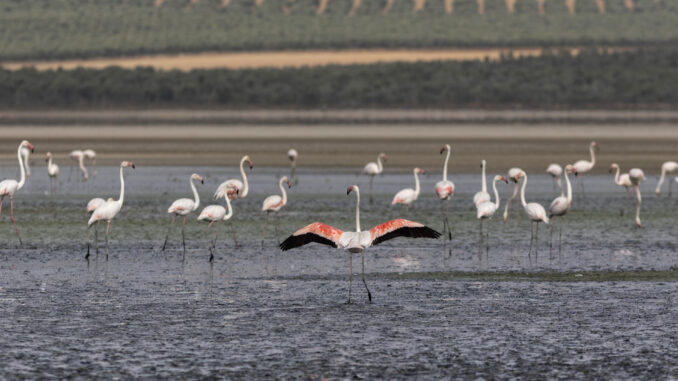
(300, 240)
(405, 231)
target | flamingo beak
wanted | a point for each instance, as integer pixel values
(442, 150)
(251, 164)
(289, 184)
(349, 189)
(201, 181)
(31, 147)
(505, 180)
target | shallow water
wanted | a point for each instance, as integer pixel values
(264, 313)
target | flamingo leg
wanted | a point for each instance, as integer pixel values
(551, 242)
(536, 243)
(487, 242)
(276, 227)
(87, 255)
(639, 201)
(2, 201)
(529, 253)
(183, 236)
(442, 210)
(560, 238)
(11, 214)
(108, 226)
(350, 278)
(449, 229)
(369, 294)
(263, 235)
(96, 238)
(235, 241)
(670, 188)
(174, 217)
(480, 241)
(209, 233)
(371, 187)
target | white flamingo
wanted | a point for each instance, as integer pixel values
(214, 213)
(535, 212)
(667, 167)
(91, 155)
(92, 205)
(482, 196)
(292, 154)
(622, 180)
(357, 241)
(10, 187)
(486, 210)
(52, 171)
(445, 190)
(372, 169)
(182, 207)
(108, 210)
(273, 204)
(79, 157)
(513, 176)
(637, 176)
(556, 171)
(561, 205)
(228, 186)
(408, 195)
(585, 166)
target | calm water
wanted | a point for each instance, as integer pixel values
(264, 313)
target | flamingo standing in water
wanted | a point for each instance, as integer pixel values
(229, 187)
(91, 155)
(408, 195)
(108, 210)
(513, 176)
(92, 205)
(445, 190)
(622, 180)
(535, 212)
(584, 166)
(292, 155)
(182, 207)
(214, 213)
(561, 205)
(486, 211)
(11, 186)
(372, 169)
(556, 171)
(668, 166)
(52, 171)
(482, 196)
(637, 176)
(357, 241)
(273, 204)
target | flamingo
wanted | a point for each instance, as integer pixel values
(26, 155)
(535, 212)
(408, 195)
(637, 176)
(92, 205)
(11, 186)
(584, 166)
(358, 241)
(228, 186)
(91, 155)
(52, 171)
(182, 207)
(482, 196)
(445, 190)
(622, 180)
(273, 204)
(668, 166)
(372, 169)
(561, 205)
(214, 213)
(556, 171)
(292, 155)
(486, 211)
(108, 210)
(79, 157)
(513, 176)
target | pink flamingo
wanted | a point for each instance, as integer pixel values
(584, 166)
(513, 176)
(561, 205)
(228, 186)
(214, 213)
(182, 207)
(52, 171)
(108, 210)
(445, 190)
(408, 195)
(372, 169)
(668, 166)
(535, 212)
(357, 241)
(556, 171)
(486, 210)
(11, 186)
(79, 157)
(273, 204)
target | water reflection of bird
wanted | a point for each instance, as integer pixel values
(11, 186)
(445, 190)
(273, 204)
(372, 169)
(584, 166)
(667, 167)
(358, 241)
(182, 207)
(408, 195)
(535, 212)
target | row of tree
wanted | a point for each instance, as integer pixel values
(589, 79)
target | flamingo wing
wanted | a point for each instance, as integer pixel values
(400, 228)
(315, 232)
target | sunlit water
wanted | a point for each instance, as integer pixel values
(265, 313)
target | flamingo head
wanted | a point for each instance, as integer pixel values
(419, 170)
(501, 178)
(446, 147)
(286, 180)
(352, 188)
(196, 176)
(127, 164)
(249, 161)
(232, 192)
(382, 156)
(47, 156)
(292, 154)
(483, 163)
(571, 169)
(595, 145)
(28, 145)
(518, 176)
(613, 167)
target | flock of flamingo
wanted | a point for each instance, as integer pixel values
(357, 241)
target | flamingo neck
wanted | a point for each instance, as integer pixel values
(569, 189)
(639, 200)
(49, 163)
(357, 209)
(380, 166)
(229, 209)
(284, 194)
(593, 156)
(122, 187)
(195, 195)
(661, 180)
(22, 170)
(496, 193)
(245, 188)
(522, 191)
(81, 164)
(26, 155)
(416, 185)
(447, 158)
(616, 177)
(484, 180)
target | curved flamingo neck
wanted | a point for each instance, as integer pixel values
(81, 164)
(522, 191)
(26, 155)
(229, 209)
(496, 193)
(22, 170)
(282, 189)
(593, 156)
(245, 188)
(122, 187)
(661, 180)
(447, 158)
(639, 200)
(357, 208)
(616, 177)
(380, 166)
(416, 184)
(569, 188)
(484, 179)
(195, 194)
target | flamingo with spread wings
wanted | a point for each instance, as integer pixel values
(357, 241)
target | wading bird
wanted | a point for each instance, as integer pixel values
(445, 190)
(292, 155)
(182, 207)
(561, 205)
(622, 180)
(514, 178)
(91, 155)
(108, 210)
(273, 204)
(229, 186)
(667, 167)
(357, 241)
(584, 166)
(372, 169)
(11, 186)
(52, 171)
(78, 157)
(637, 177)
(482, 196)
(556, 171)
(535, 212)
(214, 213)
(486, 211)
(92, 205)
(408, 195)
